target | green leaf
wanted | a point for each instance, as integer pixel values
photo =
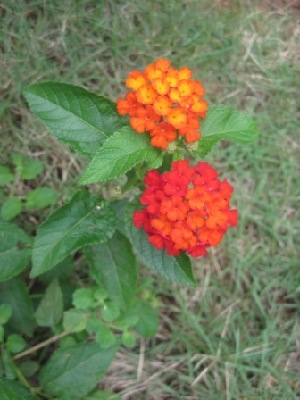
(14, 293)
(225, 123)
(29, 368)
(27, 168)
(128, 320)
(100, 295)
(49, 311)
(14, 250)
(93, 325)
(62, 271)
(120, 153)
(5, 175)
(5, 313)
(74, 321)
(41, 197)
(148, 320)
(2, 371)
(84, 299)
(1, 340)
(11, 390)
(110, 311)
(74, 115)
(67, 341)
(81, 222)
(176, 268)
(120, 207)
(31, 169)
(68, 289)
(8, 364)
(115, 268)
(105, 336)
(17, 160)
(128, 339)
(15, 343)
(11, 208)
(73, 372)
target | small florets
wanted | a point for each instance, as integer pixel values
(168, 96)
(185, 209)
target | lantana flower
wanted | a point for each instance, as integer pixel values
(165, 102)
(185, 209)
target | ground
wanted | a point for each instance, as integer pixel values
(235, 336)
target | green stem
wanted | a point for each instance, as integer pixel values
(132, 182)
(177, 155)
(10, 366)
(22, 378)
(166, 165)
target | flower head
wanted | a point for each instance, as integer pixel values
(186, 208)
(168, 96)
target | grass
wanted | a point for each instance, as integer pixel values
(234, 337)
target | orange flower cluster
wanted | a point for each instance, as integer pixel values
(186, 209)
(164, 102)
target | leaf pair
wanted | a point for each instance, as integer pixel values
(84, 221)
(38, 198)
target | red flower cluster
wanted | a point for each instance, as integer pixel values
(164, 102)
(186, 209)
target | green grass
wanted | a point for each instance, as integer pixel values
(235, 337)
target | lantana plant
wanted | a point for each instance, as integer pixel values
(158, 205)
